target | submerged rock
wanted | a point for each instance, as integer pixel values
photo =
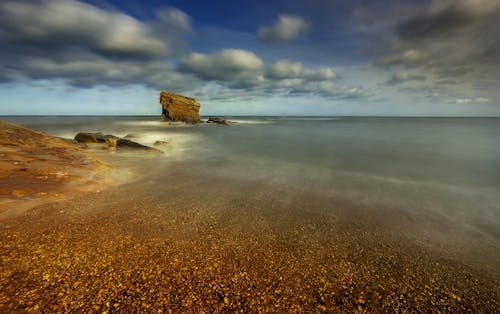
(217, 120)
(158, 143)
(98, 137)
(87, 137)
(124, 143)
(112, 142)
(179, 108)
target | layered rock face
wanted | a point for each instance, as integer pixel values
(179, 108)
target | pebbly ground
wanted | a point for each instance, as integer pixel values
(181, 242)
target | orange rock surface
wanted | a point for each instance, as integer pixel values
(35, 164)
(179, 108)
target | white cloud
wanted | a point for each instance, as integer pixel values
(471, 100)
(86, 45)
(450, 43)
(294, 78)
(473, 7)
(174, 19)
(482, 99)
(286, 28)
(233, 70)
(463, 100)
(409, 57)
(101, 71)
(63, 23)
(285, 69)
(400, 78)
(225, 65)
(329, 89)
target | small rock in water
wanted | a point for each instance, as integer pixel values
(158, 143)
(217, 120)
(87, 137)
(112, 142)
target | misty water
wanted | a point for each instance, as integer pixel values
(440, 177)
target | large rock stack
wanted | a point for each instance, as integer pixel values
(179, 108)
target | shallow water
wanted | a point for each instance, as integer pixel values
(436, 180)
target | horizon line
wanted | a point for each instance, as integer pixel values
(280, 116)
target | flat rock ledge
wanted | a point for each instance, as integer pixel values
(113, 142)
(37, 165)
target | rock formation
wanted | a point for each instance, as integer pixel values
(179, 108)
(217, 120)
(112, 141)
(34, 164)
(160, 142)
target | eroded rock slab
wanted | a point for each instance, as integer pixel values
(179, 108)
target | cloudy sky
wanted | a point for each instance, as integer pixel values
(261, 57)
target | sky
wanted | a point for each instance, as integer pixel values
(281, 57)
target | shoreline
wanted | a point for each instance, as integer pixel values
(172, 238)
(39, 168)
(126, 248)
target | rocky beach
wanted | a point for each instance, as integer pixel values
(249, 156)
(175, 237)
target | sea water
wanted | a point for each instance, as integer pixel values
(440, 176)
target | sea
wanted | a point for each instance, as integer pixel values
(434, 180)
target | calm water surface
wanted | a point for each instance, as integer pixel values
(441, 174)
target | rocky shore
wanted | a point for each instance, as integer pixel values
(35, 165)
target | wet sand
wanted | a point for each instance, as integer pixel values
(177, 241)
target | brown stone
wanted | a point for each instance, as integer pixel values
(112, 142)
(33, 163)
(158, 143)
(98, 137)
(179, 108)
(217, 120)
(88, 137)
(122, 143)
